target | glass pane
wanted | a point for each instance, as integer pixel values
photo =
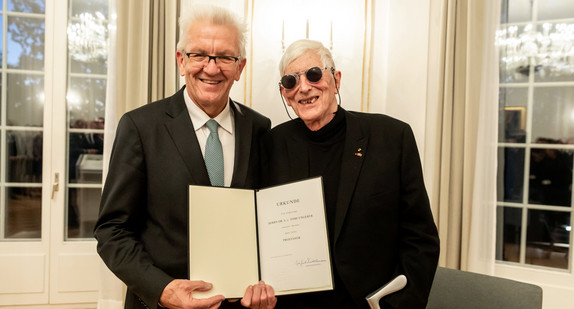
(23, 213)
(548, 238)
(548, 46)
(95, 66)
(554, 114)
(88, 55)
(27, 6)
(513, 11)
(510, 174)
(83, 207)
(555, 9)
(25, 104)
(550, 177)
(85, 158)
(91, 6)
(554, 54)
(512, 115)
(26, 41)
(86, 99)
(23, 156)
(509, 226)
(514, 63)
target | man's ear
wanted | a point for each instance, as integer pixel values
(180, 65)
(337, 77)
(242, 63)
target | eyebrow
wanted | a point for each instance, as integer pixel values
(226, 52)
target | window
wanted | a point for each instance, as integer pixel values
(85, 97)
(536, 133)
(21, 121)
(23, 25)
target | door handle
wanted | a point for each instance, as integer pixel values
(55, 185)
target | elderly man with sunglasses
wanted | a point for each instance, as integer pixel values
(162, 148)
(378, 213)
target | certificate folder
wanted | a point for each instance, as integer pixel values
(278, 234)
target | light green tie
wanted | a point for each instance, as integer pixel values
(214, 155)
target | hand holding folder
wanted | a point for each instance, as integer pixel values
(238, 237)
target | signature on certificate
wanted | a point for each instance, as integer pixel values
(310, 262)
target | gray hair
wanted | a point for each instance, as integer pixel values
(216, 16)
(298, 48)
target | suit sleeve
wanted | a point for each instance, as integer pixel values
(419, 244)
(123, 214)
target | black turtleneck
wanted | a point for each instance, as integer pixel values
(325, 152)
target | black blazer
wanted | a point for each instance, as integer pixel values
(383, 223)
(142, 230)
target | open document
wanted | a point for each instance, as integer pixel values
(279, 235)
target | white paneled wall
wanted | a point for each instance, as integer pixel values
(380, 46)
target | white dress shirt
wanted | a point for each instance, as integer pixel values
(225, 132)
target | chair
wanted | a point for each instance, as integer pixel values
(461, 289)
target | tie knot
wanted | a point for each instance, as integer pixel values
(212, 126)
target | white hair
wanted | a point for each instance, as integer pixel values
(298, 48)
(216, 16)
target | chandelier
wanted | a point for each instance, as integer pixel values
(551, 48)
(88, 37)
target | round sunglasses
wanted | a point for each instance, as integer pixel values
(313, 74)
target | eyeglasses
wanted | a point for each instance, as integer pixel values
(313, 74)
(198, 58)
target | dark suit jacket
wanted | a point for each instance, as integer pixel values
(383, 223)
(142, 230)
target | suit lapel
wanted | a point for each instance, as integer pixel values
(243, 136)
(181, 130)
(353, 156)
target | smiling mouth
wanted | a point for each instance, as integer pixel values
(308, 101)
(211, 82)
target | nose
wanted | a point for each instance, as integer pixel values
(304, 84)
(211, 67)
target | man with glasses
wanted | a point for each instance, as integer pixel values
(378, 214)
(198, 136)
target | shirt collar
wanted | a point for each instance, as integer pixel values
(199, 117)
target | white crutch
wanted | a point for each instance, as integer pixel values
(394, 285)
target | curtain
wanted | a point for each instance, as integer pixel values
(163, 76)
(141, 68)
(484, 18)
(464, 124)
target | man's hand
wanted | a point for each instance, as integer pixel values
(259, 296)
(179, 294)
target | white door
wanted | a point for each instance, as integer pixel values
(53, 100)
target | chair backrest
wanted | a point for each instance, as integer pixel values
(461, 289)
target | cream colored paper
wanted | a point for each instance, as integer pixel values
(222, 240)
(293, 243)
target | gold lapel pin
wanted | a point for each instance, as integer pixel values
(358, 153)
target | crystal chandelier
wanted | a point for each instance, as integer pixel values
(551, 48)
(88, 37)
